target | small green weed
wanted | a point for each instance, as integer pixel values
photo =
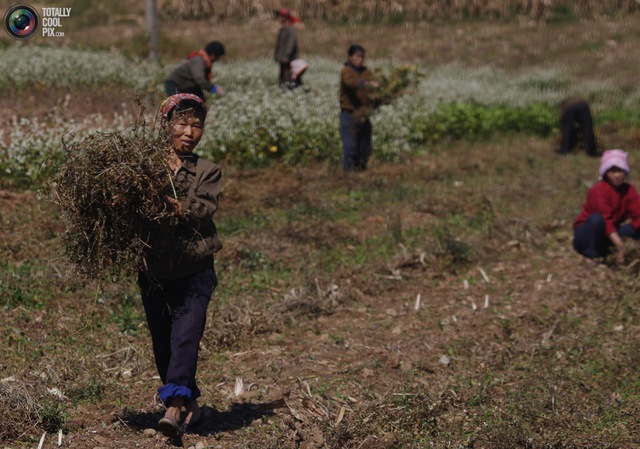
(238, 224)
(90, 391)
(128, 313)
(21, 286)
(52, 416)
(452, 252)
(251, 260)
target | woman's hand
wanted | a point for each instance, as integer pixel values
(176, 204)
(617, 241)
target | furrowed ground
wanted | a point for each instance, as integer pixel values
(434, 302)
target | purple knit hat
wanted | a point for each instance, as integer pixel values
(613, 158)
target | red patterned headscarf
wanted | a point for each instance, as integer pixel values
(174, 100)
(284, 12)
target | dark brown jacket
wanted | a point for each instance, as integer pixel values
(187, 245)
(353, 91)
(569, 102)
(286, 45)
(191, 73)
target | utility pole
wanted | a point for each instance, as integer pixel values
(151, 19)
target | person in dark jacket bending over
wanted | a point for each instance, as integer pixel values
(355, 107)
(179, 278)
(193, 75)
(575, 114)
(287, 44)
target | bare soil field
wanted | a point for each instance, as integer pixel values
(423, 305)
(435, 303)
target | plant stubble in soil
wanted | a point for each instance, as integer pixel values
(512, 343)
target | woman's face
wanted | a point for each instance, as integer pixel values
(357, 59)
(186, 133)
(616, 176)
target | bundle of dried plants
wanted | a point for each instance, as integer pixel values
(113, 189)
(22, 409)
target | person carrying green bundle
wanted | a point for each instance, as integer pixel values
(355, 107)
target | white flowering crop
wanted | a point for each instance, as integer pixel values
(28, 65)
(255, 121)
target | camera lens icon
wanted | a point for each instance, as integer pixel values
(21, 21)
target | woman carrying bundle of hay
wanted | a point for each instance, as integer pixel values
(179, 278)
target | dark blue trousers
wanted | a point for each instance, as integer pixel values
(176, 313)
(356, 142)
(578, 115)
(590, 240)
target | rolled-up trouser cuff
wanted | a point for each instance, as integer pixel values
(169, 392)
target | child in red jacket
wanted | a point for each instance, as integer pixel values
(611, 212)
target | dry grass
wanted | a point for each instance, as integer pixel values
(551, 362)
(553, 345)
(386, 422)
(113, 190)
(278, 308)
(21, 410)
(387, 9)
(27, 406)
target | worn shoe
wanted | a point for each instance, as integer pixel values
(194, 415)
(169, 427)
